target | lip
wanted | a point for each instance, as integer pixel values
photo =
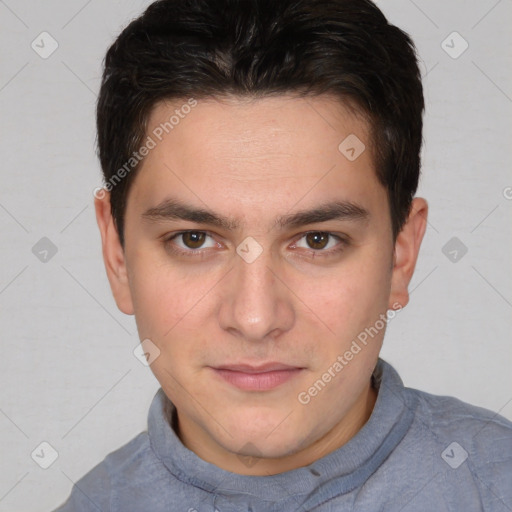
(257, 378)
(249, 368)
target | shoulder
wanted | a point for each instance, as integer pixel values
(475, 437)
(451, 414)
(132, 461)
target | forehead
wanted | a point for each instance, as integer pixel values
(246, 126)
(271, 151)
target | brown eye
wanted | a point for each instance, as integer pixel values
(193, 239)
(322, 244)
(190, 243)
(317, 240)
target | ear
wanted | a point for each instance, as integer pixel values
(113, 253)
(407, 247)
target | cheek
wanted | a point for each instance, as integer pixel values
(351, 297)
(163, 298)
(170, 311)
(167, 311)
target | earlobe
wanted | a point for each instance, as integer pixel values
(406, 252)
(113, 254)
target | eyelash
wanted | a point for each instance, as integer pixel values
(343, 242)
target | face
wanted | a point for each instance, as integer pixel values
(257, 254)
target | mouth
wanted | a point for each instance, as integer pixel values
(257, 378)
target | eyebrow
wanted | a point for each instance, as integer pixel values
(173, 209)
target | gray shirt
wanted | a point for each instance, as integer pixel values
(418, 452)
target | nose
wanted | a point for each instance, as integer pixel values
(256, 303)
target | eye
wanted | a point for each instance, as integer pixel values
(322, 242)
(191, 242)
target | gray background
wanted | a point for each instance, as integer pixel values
(69, 376)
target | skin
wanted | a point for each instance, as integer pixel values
(296, 303)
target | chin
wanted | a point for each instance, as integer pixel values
(261, 448)
(268, 442)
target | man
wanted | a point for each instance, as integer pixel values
(259, 220)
